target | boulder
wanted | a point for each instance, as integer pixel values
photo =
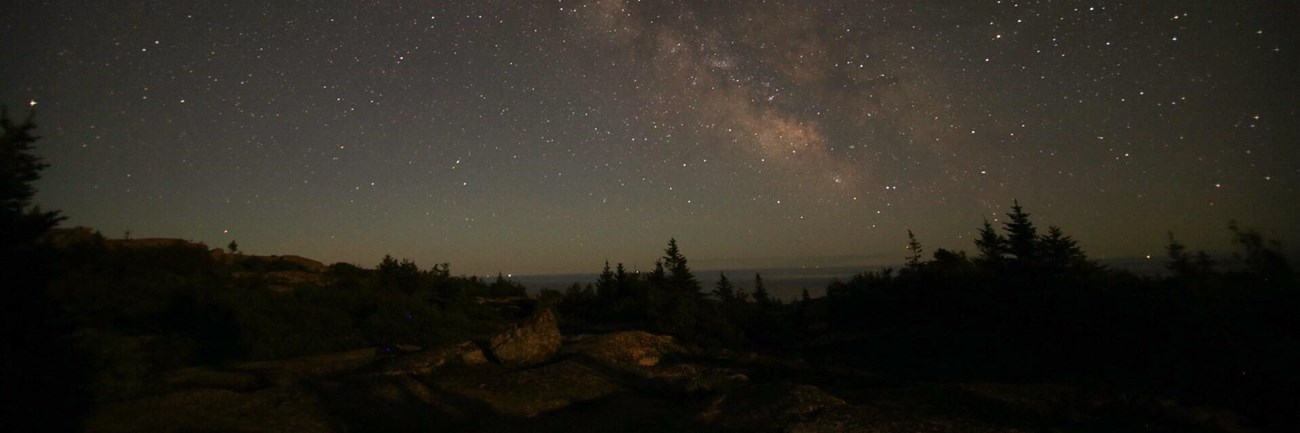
(626, 349)
(286, 281)
(305, 264)
(63, 238)
(220, 256)
(695, 378)
(534, 340)
(514, 307)
(768, 407)
(387, 404)
(286, 371)
(536, 390)
(424, 362)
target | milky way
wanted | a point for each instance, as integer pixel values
(548, 136)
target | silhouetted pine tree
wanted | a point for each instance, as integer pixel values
(676, 304)
(741, 295)
(1060, 253)
(1263, 259)
(658, 277)
(1179, 262)
(1204, 263)
(403, 275)
(622, 280)
(1022, 237)
(22, 223)
(680, 277)
(913, 251)
(724, 291)
(761, 297)
(949, 264)
(1182, 264)
(502, 286)
(991, 245)
(42, 376)
(606, 284)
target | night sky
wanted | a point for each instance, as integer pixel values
(535, 137)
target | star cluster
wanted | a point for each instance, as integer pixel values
(547, 136)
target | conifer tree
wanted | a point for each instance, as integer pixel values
(658, 277)
(606, 285)
(991, 245)
(1204, 263)
(1263, 259)
(1060, 252)
(673, 299)
(621, 279)
(913, 251)
(724, 290)
(502, 286)
(403, 275)
(41, 368)
(761, 297)
(680, 277)
(21, 224)
(1179, 262)
(1022, 237)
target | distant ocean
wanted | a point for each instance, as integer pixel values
(784, 283)
(788, 283)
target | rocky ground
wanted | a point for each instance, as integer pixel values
(532, 378)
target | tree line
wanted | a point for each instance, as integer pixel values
(1030, 305)
(89, 322)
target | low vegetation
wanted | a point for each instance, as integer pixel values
(89, 321)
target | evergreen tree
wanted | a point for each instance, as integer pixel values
(502, 286)
(658, 277)
(42, 375)
(1182, 264)
(949, 263)
(578, 299)
(680, 277)
(674, 303)
(574, 292)
(1263, 259)
(606, 285)
(622, 280)
(1060, 252)
(741, 295)
(233, 247)
(991, 245)
(1203, 262)
(913, 251)
(1179, 262)
(443, 272)
(403, 275)
(21, 223)
(761, 297)
(724, 291)
(1022, 237)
